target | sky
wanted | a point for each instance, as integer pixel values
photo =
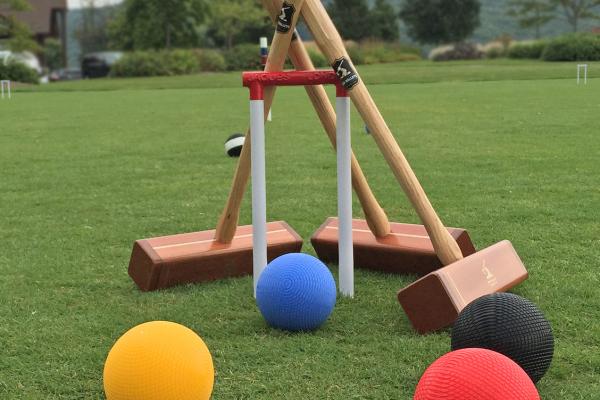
(99, 3)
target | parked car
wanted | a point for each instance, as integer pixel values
(65, 74)
(98, 65)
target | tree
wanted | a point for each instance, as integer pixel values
(352, 18)
(231, 18)
(356, 21)
(53, 54)
(440, 21)
(158, 24)
(532, 13)
(15, 5)
(18, 34)
(576, 10)
(384, 22)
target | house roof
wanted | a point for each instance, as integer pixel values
(39, 17)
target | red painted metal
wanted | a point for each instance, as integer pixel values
(340, 90)
(257, 91)
(256, 81)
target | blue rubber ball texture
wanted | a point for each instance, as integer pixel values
(296, 292)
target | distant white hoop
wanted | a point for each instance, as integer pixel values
(585, 73)
(5, 86)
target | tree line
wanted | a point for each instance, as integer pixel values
(451, 21)
(160, 24)
(534, 14)
(156, 24)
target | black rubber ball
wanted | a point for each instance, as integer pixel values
(234, 144)
(510, 325)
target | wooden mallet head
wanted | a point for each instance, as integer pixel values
(434, 301)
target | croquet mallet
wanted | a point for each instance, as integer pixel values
(434, 301)
(162, 262)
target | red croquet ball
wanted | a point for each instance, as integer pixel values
(475, 374)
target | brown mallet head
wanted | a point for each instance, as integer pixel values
(167, 261)
(434, 301)
(407, 249)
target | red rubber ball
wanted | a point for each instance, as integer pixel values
(475, 374)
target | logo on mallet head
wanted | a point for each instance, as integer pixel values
(284, 21)
(489, 276)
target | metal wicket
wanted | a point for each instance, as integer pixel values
(585, 73)
(5, 86)
(256, 82)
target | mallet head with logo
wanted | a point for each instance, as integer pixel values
(227, 251)
(434, 301)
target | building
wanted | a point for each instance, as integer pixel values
(46, 19)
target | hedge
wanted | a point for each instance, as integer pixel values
(527, 50)
(376, 52)
(210, 60)
(244, 57)
(459, 51)
(573, 47)
(182, 62)
(18, 72)
(495, 49)
(156, 63)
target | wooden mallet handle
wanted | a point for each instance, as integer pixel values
(229, 218)
(332, 46)
(375, 216)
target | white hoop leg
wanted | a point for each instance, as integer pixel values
(346, 254)
(7, 85)
(259, 190)
(585, 73)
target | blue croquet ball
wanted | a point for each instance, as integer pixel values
(296, 292)
(367, 130)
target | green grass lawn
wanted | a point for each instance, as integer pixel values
(506, 150)
(405, 72)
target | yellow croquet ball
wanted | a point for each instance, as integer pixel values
(159, 361)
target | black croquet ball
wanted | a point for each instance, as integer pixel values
(510, 325)
(234, 144)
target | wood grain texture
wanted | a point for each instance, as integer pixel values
(329, 41)
(374, 214)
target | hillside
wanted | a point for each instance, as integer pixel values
(495, 22)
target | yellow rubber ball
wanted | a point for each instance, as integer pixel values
(159, 361)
